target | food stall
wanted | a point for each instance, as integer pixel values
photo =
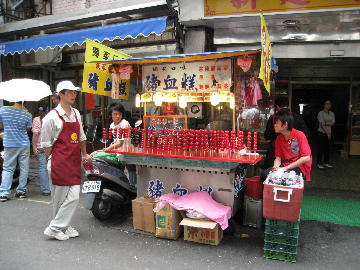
(191, 139)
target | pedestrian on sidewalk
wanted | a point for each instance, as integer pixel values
(326, 120)
(40, 153)
(16, 121)
(64, 141)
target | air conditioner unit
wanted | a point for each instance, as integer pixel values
(49, 56)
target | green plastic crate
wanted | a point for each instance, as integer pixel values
(284, 224)
(294, 241)
(282, 256)
(280, 247)
(281, 231)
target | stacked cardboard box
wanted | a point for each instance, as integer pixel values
(143, 215)
(202, 231)
(168, 223)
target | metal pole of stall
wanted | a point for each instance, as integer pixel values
(234, 87)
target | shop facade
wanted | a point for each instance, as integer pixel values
(51, 48)
(316, 50)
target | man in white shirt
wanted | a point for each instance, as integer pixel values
(64, 141)
(326, 120)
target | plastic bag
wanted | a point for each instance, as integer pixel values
(195, 215)
(159, 206)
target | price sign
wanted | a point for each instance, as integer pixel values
(166, 121)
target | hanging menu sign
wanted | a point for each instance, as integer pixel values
(192, 77)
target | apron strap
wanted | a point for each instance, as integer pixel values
(63, 118)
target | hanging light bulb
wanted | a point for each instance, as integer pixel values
(232, 101)
(183, 101)
(158, 98)
(137, 100)
(214, 99)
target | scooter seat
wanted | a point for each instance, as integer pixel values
(113, 163)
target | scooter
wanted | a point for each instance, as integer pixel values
(107, 189)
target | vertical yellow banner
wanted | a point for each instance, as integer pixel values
(266, 53)
(96, 76)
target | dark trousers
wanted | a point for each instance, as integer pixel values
(265, 173)
(323, 148)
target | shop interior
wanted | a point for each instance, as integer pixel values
(307, 100)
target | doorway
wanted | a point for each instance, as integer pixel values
(308, 99)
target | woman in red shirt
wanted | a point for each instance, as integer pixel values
(292, 150)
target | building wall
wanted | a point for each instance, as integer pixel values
(62, 6)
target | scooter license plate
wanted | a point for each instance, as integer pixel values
(91, 186)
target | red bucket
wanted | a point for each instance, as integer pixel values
(254, 187)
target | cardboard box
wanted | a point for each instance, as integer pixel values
(202, 231)
(143, 215)
(168, 223)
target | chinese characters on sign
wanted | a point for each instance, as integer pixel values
(96, 76)
(209, 190)
(155, 189)
(179, 190)
(240, 7)
(170, 122)
(200, 76)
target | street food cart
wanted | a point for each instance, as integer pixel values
(187, 144)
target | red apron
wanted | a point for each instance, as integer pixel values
(65, 155)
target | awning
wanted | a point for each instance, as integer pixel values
(109, 32)
(171, 58)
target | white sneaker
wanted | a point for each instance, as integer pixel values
(320, 166)
(59, 235)
(71, 232)
(328, 165)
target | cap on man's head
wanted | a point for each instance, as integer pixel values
(66, 85)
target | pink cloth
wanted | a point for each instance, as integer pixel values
(252, 92)
(201, 202)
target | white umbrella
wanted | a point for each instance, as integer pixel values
(17, 90)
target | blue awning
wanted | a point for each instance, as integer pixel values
(109, 32)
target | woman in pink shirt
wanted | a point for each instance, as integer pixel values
(39, 153)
